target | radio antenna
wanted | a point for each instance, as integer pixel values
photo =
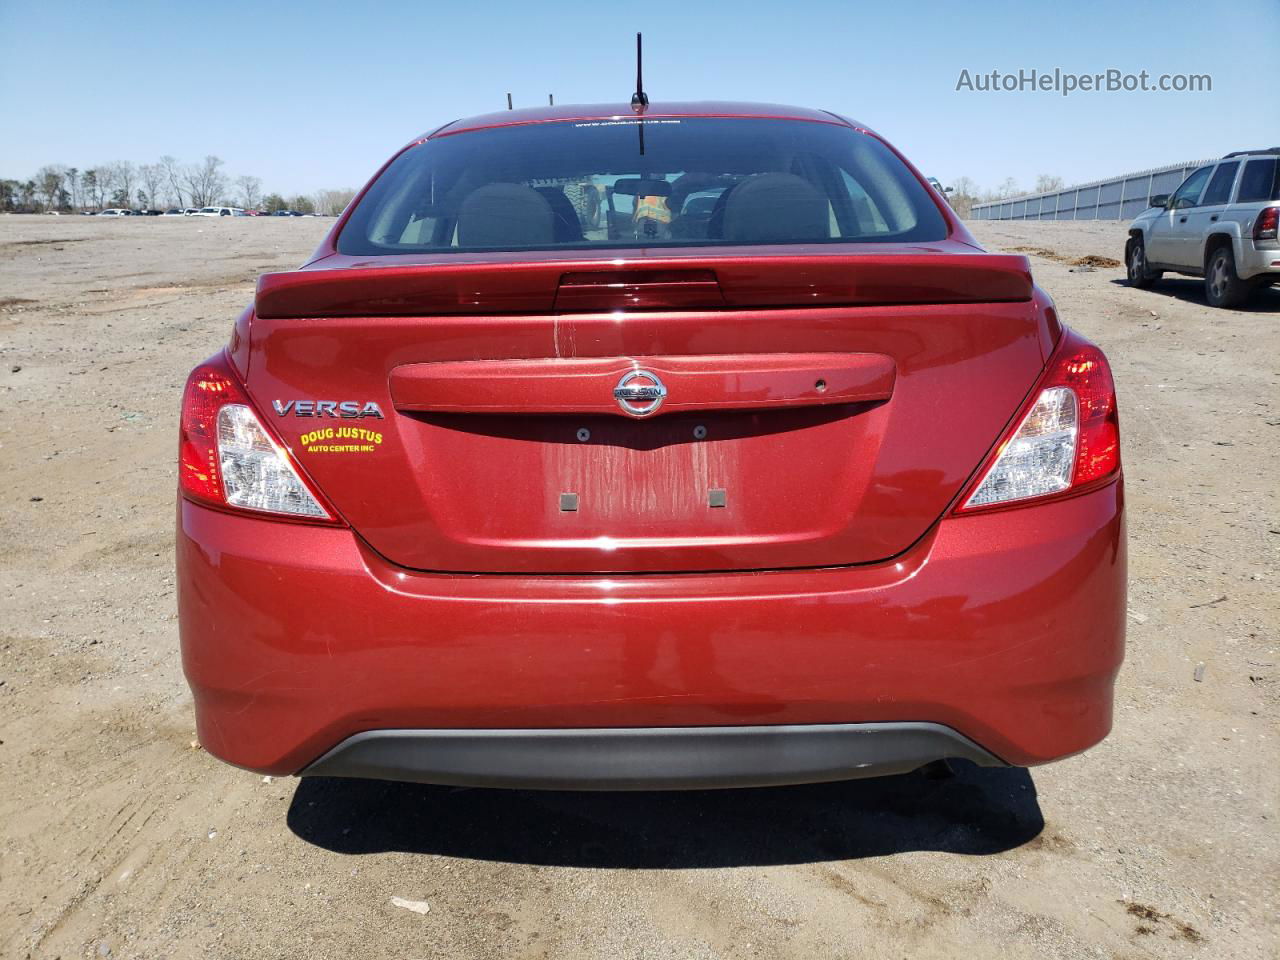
(639, 99)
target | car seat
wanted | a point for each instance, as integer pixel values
(566, 226)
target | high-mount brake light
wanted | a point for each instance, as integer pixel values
(227, 458)
(1067, 440)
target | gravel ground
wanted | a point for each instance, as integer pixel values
(119, 837)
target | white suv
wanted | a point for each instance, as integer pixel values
(219, 212)
(1220, 224)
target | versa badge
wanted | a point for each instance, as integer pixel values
(345, 409)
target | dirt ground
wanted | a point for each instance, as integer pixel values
(120, 837)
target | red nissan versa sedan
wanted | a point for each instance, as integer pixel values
(700, 447)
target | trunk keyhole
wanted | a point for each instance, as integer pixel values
(820, 386)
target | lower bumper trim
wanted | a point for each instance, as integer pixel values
(653, 758)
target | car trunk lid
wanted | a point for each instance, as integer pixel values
(811, 410)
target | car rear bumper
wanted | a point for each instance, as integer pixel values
(1255, 261)
(1001, 632)
(646, 758)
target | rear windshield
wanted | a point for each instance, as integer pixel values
(630, 183)
(1260, 181)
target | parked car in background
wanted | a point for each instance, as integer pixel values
(172, 212)
(190, 211)
(1220, 224)
(501, 494)
(286, 213)
(114, 212)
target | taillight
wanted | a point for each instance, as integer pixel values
(1066, 441)
(1265, 226)
(226, 457)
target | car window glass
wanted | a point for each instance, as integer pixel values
(1189, 192)
(1219, 189)
(418, 232)
(692, 181)
(1260, 181)
(870, 219)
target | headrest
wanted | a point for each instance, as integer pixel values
(775, 207)
(505, 214)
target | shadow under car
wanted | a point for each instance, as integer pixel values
(975, 811)
(1191, 290)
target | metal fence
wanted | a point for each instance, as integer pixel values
(1118, 198)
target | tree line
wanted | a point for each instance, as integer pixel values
(165, 184)
(965, 192)
(168, 183)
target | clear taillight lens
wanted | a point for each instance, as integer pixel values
(1066, 442)
(256, 474)
(227, 458)
(1039, 457)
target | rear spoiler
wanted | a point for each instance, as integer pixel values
(577, 286)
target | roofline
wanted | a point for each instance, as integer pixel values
(621, 112)
(1261, 152)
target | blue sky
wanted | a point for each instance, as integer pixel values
(318, 94)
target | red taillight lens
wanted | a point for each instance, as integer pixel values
(208, 388)
(1086, 372)
(228, 458)
(1067, 439)
(1265, 227)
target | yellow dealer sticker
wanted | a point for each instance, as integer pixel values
(341, 440)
